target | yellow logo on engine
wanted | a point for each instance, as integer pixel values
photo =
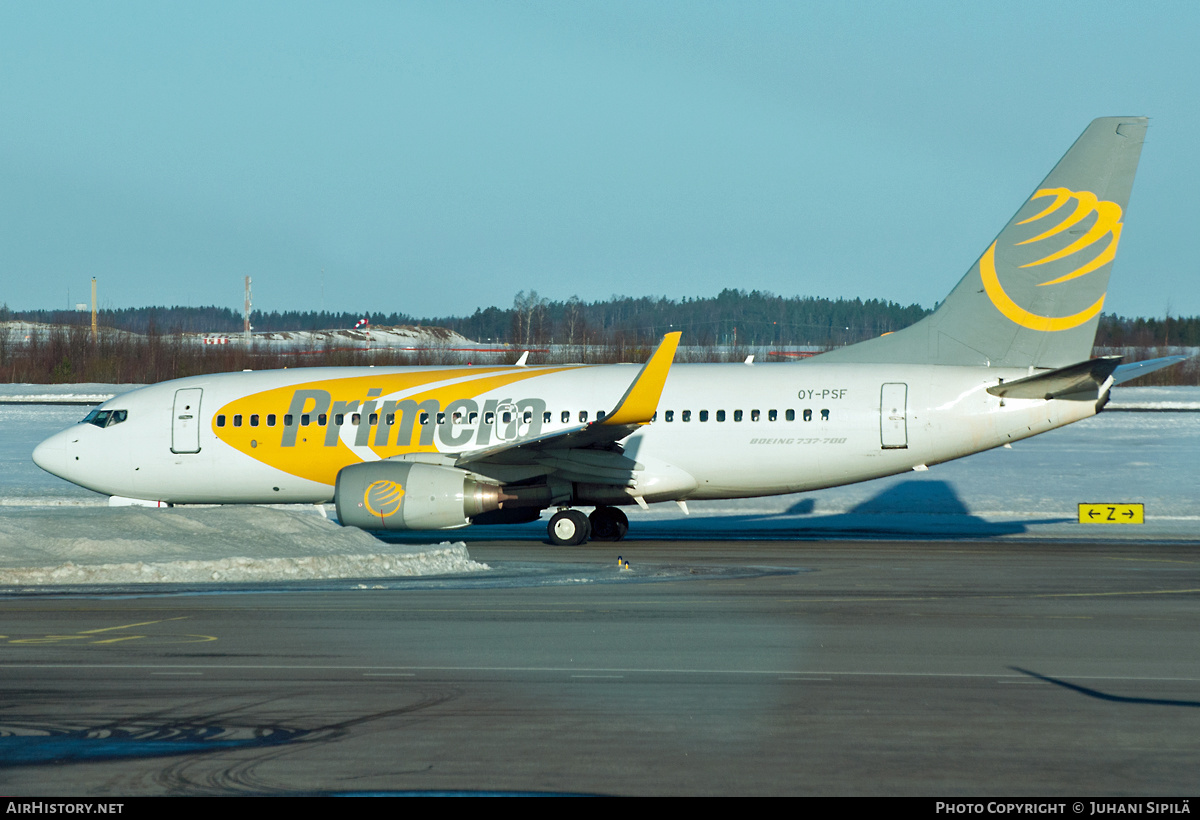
(383, 498)
(1106, 226)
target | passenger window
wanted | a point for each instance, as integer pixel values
(600, 415)
(824, 415)
(270, 419)
(566, 416)
(391, 419)
(356, 419)
(753, 415)
(737, 415)
(474, 417)
(703, 415)
(323, 419)
(790, 415)
(808, 415)
(686, 415)
(527, 417)
(441, 418)
(546, 418)
(720, 415)
(582, 416)
(288, 420)
(374, 419)
(422, 418)
(489, 418)
(237, 419)
(254, 419)
(339, 419)
(772, 415)
(669, 415)
(220, 420)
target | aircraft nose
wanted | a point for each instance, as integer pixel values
(51, 455)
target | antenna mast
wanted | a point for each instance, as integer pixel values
(93, 310)
(246, 316)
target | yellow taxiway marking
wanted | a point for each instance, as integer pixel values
(91, 635)
(131, 626)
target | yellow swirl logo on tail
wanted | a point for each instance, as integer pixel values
(1106, 225)
(383, 498)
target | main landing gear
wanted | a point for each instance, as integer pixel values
(570, 528)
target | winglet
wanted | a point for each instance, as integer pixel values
(640, 401)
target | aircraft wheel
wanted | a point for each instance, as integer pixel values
(608, 524)
(569, 528)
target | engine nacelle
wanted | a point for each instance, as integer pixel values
(401, 495)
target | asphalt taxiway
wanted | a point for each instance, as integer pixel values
(716, 667)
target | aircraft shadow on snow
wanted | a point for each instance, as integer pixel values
(908, 509)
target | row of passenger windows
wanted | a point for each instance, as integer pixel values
(506, 417)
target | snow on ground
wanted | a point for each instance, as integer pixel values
(54, 532)
(395, 337)
(1155, 398)
(191, 545)
(62, 393)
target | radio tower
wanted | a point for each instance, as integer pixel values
(246, 316)
(93, 311)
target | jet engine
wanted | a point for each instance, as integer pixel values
(401, 495)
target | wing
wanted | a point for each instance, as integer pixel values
(635, 409)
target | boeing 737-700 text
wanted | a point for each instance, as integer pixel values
(1005, 356)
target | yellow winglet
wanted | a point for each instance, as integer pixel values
(640, 401)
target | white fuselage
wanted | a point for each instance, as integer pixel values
(721, 431)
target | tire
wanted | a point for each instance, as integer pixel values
(569, 528)
(608, 524)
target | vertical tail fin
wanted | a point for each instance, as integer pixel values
(1034, 296)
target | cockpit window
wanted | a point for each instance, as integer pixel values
(105, 418)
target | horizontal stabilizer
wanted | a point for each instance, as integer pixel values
(1135, 370)
(1077, 381)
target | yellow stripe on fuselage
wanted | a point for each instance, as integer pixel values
(317, 452)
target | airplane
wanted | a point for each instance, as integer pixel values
(1006, 356)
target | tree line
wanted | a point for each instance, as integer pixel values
(733, 317)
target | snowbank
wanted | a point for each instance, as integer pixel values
(189, 545)
(62, 393)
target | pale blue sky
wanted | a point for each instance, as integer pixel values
(437, 157)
